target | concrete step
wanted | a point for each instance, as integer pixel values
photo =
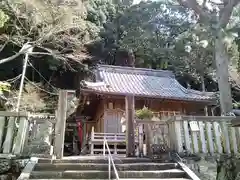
(104, 167)
(87, 174)
(170, 173)
(97, 160)
(125, 179)
(69, 174)
(156, 179)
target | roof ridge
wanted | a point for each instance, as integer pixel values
(134, 70)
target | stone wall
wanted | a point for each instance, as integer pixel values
(10, 169)
(38, 144)
(215, 167)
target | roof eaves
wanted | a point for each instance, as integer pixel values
(207, 100)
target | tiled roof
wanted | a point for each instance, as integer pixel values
(143, 82)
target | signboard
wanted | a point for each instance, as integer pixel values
(194, 126)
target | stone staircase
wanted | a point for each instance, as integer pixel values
(96, 168)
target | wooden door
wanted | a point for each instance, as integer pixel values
(112, 121)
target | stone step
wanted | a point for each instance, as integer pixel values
(172, 173)
(97, 160)
(125, 179)
(156, 179)
(104, 167)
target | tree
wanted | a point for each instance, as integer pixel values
(193, 50)
(149, 30)
(217, 16)
(58, 31)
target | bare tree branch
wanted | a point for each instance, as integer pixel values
(4, 45)
(22, 51)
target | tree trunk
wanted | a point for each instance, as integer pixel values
(203, 89)
(222, 59)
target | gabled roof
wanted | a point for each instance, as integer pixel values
(142, 82)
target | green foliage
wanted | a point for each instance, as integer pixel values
(194, 52)
(55, 27)
(236, 105)
(3, 18)
(157, 33)
(4, 87)
(161, 35)
(144, 113)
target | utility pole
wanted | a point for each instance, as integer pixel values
(29, 50)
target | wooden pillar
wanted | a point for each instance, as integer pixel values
(2, 129)
(60, 124)
(21, 135)
(140, 140)
(130, 114)
(148, 140)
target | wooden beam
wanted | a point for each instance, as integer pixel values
(130, 113)
(13, 114)
(43, 120)
(60, 124)
(203, 118)
(236, 122)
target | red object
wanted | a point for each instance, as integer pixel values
(80, 132)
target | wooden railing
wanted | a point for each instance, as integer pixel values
(204, 134)
(112, 139)
(18, 130)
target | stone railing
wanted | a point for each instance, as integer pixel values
(152, 133)
(41, 135)
(189, 134)
(20, 132)
(204, 134)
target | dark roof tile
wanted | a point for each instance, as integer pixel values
(144, 82)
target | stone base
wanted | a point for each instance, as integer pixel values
(5, 165)
(10, 169)
(37, 148)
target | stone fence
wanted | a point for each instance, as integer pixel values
(22, 134)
